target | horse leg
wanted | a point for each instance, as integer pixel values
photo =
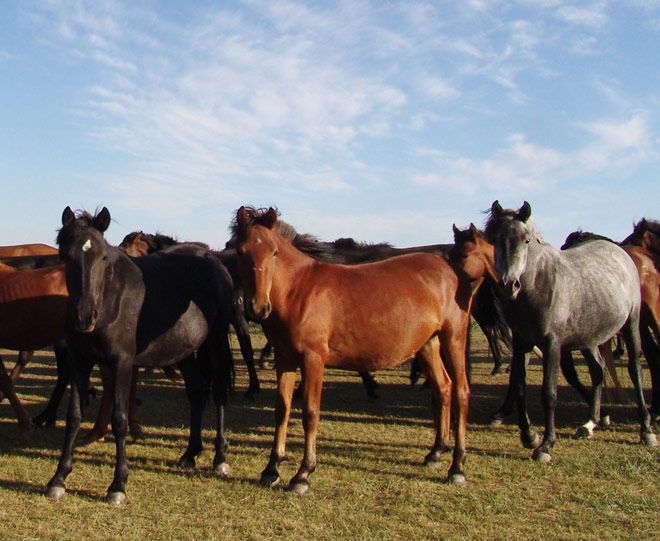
(265, 352)
(506, 409)
(134, 426)
(633, 344)
(415, 370)
(80, 370)
(7, 387)
(370, 385)
(285, 383)
(243, 334)
(123, 378)
(193, 378)
(313, 378)
(220, 386)
(454, 358)
(494, 347)
(652, 353)
(104, 415)
(518, 391)
(441, 386)
(597, 373)
(551, 361)
(48, 416)
(22, 361)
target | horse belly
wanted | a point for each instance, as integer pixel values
(32, 323)
(178, 341)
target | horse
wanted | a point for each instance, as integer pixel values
(18, 250)
(138, 244)
(476, 256)
(166, 308)
(32, 305)
(357, 317)
(648, 268)
(575, 299)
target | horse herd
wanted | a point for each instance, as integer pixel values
(154, 302)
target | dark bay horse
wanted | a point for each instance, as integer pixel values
(564, 300)
(356, 317)
(138, 244)
(648, 266)
(170, 307)
(32, 304)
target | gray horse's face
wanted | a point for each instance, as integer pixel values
(511, 247)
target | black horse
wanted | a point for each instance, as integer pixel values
(138, 244)
(170, 307)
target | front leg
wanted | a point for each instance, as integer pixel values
(518, 390)
(286, 379)
(312, 378)
(551, 357)
(80, 370)
(123, 376)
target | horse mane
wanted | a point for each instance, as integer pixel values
(83, 220)
(636, 238)
(576, 238)
(494, 222)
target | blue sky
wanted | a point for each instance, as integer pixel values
(383, 120)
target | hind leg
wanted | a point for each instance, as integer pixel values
(441, 386)
(48, 416)
(243, 334)
(651, 349)
(370, 385)
(104, 415)
(193, 377)
(596, 371)
(222, 379)
(22, 361)
(7, 387)
(517, 391)
(633, 343)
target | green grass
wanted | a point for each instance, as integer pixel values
(369, 483)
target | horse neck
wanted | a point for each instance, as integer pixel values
(291, 264)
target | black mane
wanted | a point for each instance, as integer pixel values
(580, 237)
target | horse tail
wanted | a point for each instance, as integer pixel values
(488, 312)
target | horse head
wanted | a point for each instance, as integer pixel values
(511, 232)
(473, 254)
(257, 258)
(84, 252)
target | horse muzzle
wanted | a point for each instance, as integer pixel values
(258, 311)
(84, 320)
(511, 288)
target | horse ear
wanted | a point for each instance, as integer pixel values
(496, 209)
(67, 216)
(242, 216)
(456, 231)
(102, 220)
(270, 218)
(473, 231)
(524, 212)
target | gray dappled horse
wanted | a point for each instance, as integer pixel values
(562, 301)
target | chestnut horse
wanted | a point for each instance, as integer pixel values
(364, 317)
(32, 306)
(18, 250)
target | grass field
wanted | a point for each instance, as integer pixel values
(369, 483)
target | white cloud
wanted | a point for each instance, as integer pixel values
(593, 16)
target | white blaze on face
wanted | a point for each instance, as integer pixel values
(87, 245)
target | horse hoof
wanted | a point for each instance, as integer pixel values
(300, 487)
(542, 457)
(269, 480)
(496, 421)
(55, 493)
(116, 498)
(186, 463)
(457, 479)
(583, 433)
(92, 437)
(222, 470)
(650, 439)
(531, 440)
(605, 422)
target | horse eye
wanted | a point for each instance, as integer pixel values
(527, 241)
(275, 253)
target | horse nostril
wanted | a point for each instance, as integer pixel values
(515, 285)
(95, 315)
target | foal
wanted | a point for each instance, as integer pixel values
(364, 317)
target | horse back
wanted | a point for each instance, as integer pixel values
(369, 316)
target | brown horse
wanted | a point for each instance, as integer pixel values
(32, 304)
(352, 317)
(18, 250)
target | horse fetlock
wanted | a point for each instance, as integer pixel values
(530, 439)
